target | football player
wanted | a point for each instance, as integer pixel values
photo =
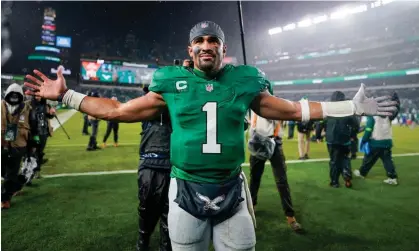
(208, 194)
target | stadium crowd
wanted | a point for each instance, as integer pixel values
(130, 47)
(377, 40)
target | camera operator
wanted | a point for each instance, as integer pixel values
(153, 180)
(43, 113)
(19, 128)
(261, 129)
(94, 122)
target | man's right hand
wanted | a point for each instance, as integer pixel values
(135, 110)
(47, 88)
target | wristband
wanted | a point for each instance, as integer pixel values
(73, 99)
(305, 110)
(338, 109)
(60, 98)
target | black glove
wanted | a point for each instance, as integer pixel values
(246, 124)
(395, 97)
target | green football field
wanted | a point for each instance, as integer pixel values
(99, 212)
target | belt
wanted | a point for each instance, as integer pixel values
(154, 156)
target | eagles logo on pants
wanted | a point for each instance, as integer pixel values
(188, 233)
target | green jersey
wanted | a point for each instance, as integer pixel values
(207, 118)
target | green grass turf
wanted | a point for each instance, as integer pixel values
(59, 111)
(70, 156)
(100, 212)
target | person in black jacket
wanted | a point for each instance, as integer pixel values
(318, 127)
(338, 138)
(94, 122)
(43, 113)
(153, 180)
(354, 137)
(86, 125)
(291, 126)
(112, 126)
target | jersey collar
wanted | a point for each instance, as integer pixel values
(202, 74)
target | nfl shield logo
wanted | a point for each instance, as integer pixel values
(204, 25)
(209, 88)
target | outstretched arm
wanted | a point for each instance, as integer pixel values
(142, 108)
(135, 110)
(270, 107)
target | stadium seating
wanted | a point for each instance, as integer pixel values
(381, 39)
(123, 94)
(131, 48)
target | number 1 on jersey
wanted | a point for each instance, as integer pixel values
(211, 145)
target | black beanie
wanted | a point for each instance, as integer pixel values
(206, 28)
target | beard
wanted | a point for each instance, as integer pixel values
(208, 65)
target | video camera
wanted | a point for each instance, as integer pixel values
(176, 62)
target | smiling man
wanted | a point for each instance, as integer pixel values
(208, 194)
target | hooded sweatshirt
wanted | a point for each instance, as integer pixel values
(16, 89)
(19, 114)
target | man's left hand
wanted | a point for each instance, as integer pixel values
(381, 106)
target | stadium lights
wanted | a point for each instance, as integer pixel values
(339, 14)
(47, 48)
(384, 2)
(41, 57)
(289, 27)
(376, 4)
(345, 12)
(304, 23)
(358, 9)
(275, 30)
(320, 19)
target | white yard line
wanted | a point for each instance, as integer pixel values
(75, 145)
(63, 117)
(244, 164)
